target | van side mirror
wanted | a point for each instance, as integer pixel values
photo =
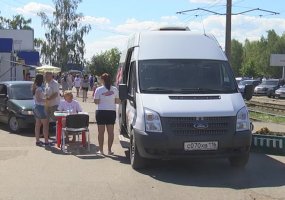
(123, 92)
(248, 92)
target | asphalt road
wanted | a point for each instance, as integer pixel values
(28, 172)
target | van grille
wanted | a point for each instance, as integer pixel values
(186, 125)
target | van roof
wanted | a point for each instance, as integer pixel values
(177, 45)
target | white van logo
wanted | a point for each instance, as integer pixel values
(201, 125)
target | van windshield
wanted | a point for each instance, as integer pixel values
(186, 76)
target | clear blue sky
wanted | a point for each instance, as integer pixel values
(113, 20)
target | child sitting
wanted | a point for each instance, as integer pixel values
(71, 106)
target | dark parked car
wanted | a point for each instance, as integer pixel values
(243, 83)
(16, 104)
(267, 87)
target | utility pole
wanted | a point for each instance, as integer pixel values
(228, 30)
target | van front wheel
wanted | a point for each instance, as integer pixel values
(137, 161)
(239, 161)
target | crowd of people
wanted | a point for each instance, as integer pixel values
(47, 98)
(84, 83)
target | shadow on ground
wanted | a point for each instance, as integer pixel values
(76, 149)
(26, 132)
(261, 171)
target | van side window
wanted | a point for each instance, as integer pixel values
(132, 80)
(225, 75)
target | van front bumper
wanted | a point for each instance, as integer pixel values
(170, 146)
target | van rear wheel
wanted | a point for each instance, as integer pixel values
(239, 161)
(137, 162)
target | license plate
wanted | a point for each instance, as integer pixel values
(200, 146)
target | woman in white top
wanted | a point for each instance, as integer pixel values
(106, 97)
(77, 84)
(39, 110)
(84, 87)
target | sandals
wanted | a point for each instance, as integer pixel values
(39, 143)
(48, 144)
(110, 153)
(100, 153)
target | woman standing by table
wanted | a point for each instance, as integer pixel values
(106, 97)
(39, 110)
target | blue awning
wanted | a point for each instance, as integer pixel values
(6, 45)
(30, 57)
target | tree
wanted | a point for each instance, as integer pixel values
(64, 37)
(257, 55)
(17, 22)
(3, 22)
(249, 70)
(105, 62)
(274, 46)
(236, 56)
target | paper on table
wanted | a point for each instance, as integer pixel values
(86, 113)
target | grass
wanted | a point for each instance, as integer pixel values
(267, 118)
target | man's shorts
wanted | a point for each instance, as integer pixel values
(50, 113)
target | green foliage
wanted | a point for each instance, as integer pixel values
(17, 22)
(237, 56)
(105, 62)
(64, 37)
(267, 118)
(249, 70)
(254, 57)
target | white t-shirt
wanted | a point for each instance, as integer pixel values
(51, 88)
(73, 106)
(77, 82)
(106, 97)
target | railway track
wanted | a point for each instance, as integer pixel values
(266, 108)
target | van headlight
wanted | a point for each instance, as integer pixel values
(152, 121)
(243, 123)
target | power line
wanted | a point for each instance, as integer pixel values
(228, 15)
(218, 13)
(256, 9)
(202, 9)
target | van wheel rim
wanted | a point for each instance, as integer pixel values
(13, 123)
